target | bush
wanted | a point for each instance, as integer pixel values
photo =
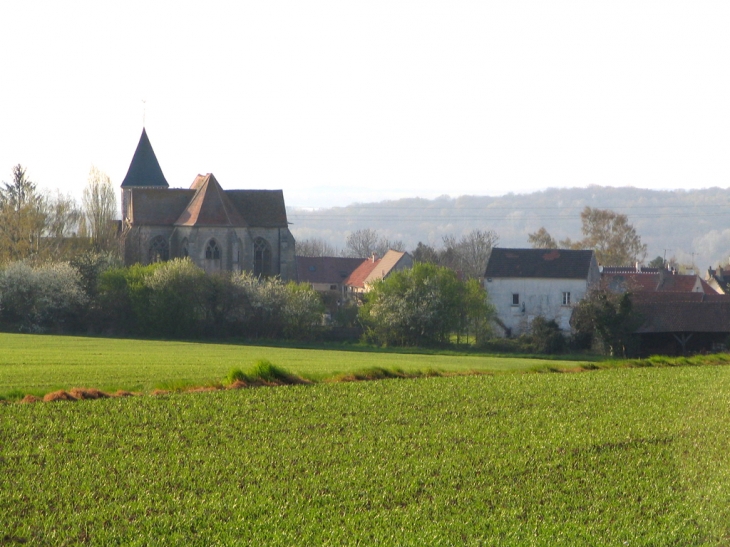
(46, 298)
(546, 336)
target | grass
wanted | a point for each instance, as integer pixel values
(622, 456)
(32, 364)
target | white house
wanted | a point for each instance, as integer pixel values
(527, 283)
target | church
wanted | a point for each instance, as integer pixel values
(220, 230)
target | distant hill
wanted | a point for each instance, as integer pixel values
(681, 221)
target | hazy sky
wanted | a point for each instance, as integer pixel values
(337, 102)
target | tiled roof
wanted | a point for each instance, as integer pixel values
(263, 208)
(325, 269)
(144, 171)
(663, 282)
(210, 206)
(663, 317)
(158, 206)
(385, 265)
(539, 263)
(357, 278)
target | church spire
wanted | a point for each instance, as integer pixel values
(144, 171)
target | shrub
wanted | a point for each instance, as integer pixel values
(48, 297)
(546, 336)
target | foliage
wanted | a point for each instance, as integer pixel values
(542, 240)
(609, 319)
(22, 217)
(538, 459)
(546, 336)
(657, 262)
(175, 308)
(608, 233)
(47, 297)
(420, 306)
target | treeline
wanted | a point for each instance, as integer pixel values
(40, 226)
(174, 299)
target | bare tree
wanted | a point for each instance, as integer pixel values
(315, 247)
(470, 254)
(100, 208)
(362, 243)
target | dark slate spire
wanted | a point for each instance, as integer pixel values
(144, 171)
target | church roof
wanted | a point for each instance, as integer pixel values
(210, 206)
(158, 206)
(144, 171)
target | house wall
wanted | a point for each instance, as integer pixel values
(537, 297)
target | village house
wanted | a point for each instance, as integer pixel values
(219, 230)
(527, 283)
(326, 274)
(372, 269)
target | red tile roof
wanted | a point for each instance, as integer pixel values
(357, 278)
(210, 206)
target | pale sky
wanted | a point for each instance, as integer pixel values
(338, 102)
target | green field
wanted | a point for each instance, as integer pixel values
(610, 457)
(40, 364)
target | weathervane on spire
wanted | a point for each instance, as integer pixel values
(144, 112)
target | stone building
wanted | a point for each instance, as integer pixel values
(220, 230)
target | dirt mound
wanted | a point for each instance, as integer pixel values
(88, 393)
(31, 399)
(59, 395)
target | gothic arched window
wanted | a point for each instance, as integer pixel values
(159, 251)
(261, 257)
(212, 250)
(184, 252)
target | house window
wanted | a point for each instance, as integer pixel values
(261, 257)
(159, 251)
(333, 287)
(515, 299)
(566, 299)
(212, 250)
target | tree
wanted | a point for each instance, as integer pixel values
(611, 236)
(315, 247)
(361, 243)
(367, 242)
(608, 318)
(608, 233)
(425, 253)
(22, 217)
(100, 208)
(469, 255)
(657, 262)
(542, 240)
(422, 306)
